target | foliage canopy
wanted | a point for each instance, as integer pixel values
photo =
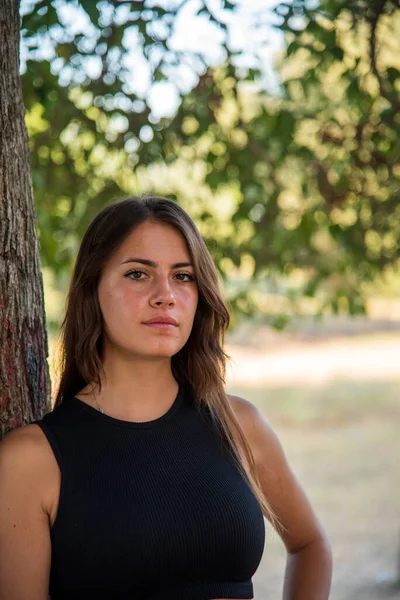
(296, 192)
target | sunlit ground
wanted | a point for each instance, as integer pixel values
(334, 402)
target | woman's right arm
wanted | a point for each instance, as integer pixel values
(25, 546)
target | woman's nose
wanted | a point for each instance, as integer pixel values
(163, 294)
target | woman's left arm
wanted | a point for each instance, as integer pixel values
(308, 571)
(309, 562)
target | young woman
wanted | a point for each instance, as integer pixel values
(147, 481)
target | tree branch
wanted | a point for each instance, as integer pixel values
(373, 20)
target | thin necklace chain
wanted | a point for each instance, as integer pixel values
(98, 406)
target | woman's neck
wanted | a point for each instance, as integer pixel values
(134, 391)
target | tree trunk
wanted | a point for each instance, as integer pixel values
(24, 377)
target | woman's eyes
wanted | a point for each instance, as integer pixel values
(188, 275)
(132, 274)
(136, 273)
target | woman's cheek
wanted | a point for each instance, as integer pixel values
(133, 303)
(122, 302)
(188, 305)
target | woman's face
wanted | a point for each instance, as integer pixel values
(149, 277)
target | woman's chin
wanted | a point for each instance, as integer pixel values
(162, 351)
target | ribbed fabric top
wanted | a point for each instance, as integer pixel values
(155, 510)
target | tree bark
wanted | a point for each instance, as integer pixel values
(24, 377)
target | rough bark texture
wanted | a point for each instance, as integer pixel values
(24, 378)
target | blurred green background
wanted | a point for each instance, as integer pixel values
(276, 126)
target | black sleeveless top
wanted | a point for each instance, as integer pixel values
(155, 510)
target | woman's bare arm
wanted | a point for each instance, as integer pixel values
(309, 564)
(25, 547)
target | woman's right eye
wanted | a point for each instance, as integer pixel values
(132, 274)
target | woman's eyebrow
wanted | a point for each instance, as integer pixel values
(151, 263)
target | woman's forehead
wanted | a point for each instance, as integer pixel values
(154, 241)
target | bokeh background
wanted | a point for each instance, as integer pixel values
(276, 126)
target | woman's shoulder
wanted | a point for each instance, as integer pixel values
(26, 454)
(256, 428)
(27, 437)
(240, 405)
(28, 447)
(245, 411)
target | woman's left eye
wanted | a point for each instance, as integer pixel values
(188, 275)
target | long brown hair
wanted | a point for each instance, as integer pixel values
(200, 364)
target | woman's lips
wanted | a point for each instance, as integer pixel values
(161, 325)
